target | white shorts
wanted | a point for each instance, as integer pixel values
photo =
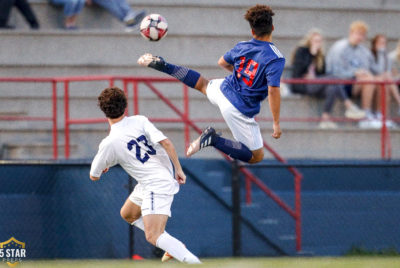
(150, 202)
(244, 129)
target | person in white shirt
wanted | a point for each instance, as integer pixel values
(150, 157)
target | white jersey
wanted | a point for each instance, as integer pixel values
(133, 143)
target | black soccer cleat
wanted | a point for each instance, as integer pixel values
(151, 61)
(207, 138)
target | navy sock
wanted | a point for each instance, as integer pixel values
(188, 76)
(234, 149)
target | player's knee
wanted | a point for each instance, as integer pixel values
(258, 156)
(127, 216)
(202, 84)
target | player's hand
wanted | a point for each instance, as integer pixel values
(277, 131)
(105, 171)
(180, 176)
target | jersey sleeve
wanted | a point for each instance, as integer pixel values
(152, 132)
(104, 158)
(229, 56)
(273, 72)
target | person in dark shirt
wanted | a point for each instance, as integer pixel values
(309, 63)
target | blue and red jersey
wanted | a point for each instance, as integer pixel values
(257, 65)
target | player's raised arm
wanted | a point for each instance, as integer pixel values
(274, 99)
(227, 66)
(170, 149)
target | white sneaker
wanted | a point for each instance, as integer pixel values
(370, 124)
(390, 124)
(327, 125)
(354, 113)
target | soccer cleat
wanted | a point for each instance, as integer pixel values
(207, 138)
(155, 62)
(166, 257)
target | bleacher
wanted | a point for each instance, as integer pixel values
(199, 33)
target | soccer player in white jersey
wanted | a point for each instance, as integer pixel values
(256, 66)
(150, 157)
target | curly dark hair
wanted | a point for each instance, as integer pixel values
(112, 101)
(260, 19)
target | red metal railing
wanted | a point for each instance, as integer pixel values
(52, 118)
(183, 117)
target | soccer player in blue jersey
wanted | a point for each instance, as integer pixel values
(256, 67)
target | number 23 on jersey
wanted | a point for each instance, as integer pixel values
(135, 143)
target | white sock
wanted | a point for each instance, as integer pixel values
(139, 223)
(175, 247)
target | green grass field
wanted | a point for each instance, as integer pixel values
(315, 262)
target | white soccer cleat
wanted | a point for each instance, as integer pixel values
(145, 59)
(166, 257)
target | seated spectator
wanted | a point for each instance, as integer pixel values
(25, 9)
(350, 59)
(122, 11)
(71, 10)
(394, 58)
(382, 70)
(309, 63)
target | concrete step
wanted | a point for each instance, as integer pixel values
(151, 106)
(207, 17)
(32, 151)
(99, 49)
(343, 143)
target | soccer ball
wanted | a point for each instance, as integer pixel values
(153, 27)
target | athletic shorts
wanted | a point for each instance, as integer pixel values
(244, 129)
(150, 202)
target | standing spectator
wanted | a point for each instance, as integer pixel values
(382, 70)
(23, 7)
(121, 10)
(71, 10)
(350, 59)
(394, 58)
(308, 62)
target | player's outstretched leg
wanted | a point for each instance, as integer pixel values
(187, 76)
(154, 230)
(234, 149)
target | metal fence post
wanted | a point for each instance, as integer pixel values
(236, 232)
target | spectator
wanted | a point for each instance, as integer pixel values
(25, 9)
(382, 70)
(71, 10)
(350, 59)
(394, 58)
(121, 10)
(308, 62)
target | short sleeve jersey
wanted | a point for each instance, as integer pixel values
(133, 143)
(257, 65)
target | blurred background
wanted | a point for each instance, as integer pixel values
(319, 192)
